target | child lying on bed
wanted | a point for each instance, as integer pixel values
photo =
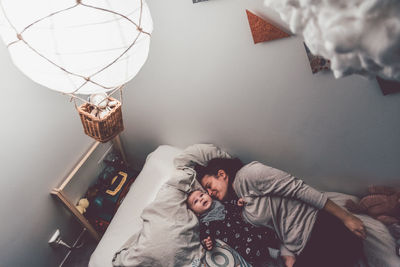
(224, 221)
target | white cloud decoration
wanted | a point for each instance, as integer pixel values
(358, 36)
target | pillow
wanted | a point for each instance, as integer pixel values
(169, 235)
(198, 154)
(192, 155)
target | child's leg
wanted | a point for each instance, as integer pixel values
(331, 244)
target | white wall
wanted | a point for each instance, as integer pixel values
(205, 81)
(41, 139)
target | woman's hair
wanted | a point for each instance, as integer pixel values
(230, 166)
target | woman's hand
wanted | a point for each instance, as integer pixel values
(208, 243)
(288, 260)
(355, 225)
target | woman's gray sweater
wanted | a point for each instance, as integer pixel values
(279, 200)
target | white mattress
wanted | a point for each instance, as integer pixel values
(156, 171)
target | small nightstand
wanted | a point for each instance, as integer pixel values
(81, 177)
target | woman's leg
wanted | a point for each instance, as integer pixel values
(331, 244)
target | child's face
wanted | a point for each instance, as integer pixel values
(199, 202)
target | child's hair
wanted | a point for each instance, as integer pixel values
(190, 193)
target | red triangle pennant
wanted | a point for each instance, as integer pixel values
(263, 31)
(388, 86)
(317, 63)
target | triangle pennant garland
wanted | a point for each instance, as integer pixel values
(388, 86)
(317, 63)
(263, 31)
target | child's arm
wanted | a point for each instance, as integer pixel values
(234, 205)
(287, 256)
(207, 243)
(206, 239)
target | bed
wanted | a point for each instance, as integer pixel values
(127, 221)
(147, 230)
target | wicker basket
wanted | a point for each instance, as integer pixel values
(103, 129)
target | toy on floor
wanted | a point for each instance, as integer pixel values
(83, 204)
(383, 204)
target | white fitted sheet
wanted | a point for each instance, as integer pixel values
(127, 221)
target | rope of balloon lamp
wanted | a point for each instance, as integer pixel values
(80, 47)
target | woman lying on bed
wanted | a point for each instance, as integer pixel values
(313, 230)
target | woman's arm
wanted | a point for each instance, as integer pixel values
(288, 260)
(257, 179)
(287, 256)
(354, 224)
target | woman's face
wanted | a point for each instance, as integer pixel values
(216, 186)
